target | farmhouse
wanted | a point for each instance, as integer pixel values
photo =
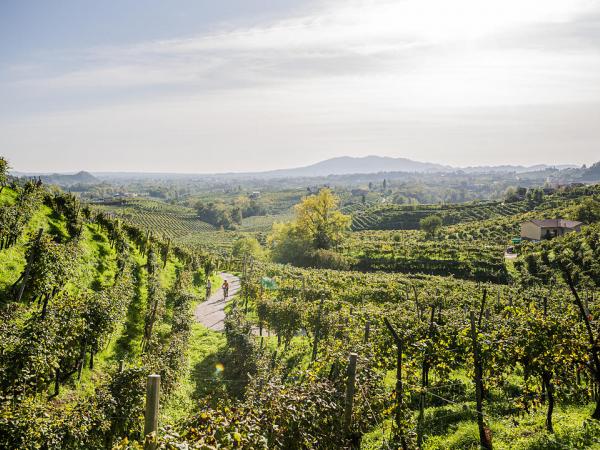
(547, 229)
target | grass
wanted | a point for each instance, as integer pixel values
(128, 345)
(98, 261)
(454, 426)
(202, 375)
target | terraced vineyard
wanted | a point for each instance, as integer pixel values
(263, 223)
(399, 217)
(160, 218)
(216, 241)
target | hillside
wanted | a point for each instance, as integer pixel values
(80, 295)
(63, 179)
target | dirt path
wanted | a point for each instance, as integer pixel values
(211, 313)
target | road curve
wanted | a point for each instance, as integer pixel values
(211, 312)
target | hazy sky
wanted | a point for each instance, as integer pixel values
(207, 86)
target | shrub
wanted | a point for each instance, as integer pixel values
(328, 259)
(431, 224)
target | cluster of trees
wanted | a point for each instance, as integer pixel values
(250, 207)
(588, 211)
(311, 238)
(219, 214)
(228, 215)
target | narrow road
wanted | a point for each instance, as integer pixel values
(211, 312)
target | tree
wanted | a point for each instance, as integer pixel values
(288, 244)
(3, 172)
(535, 196)
(318, 226)
(219, 214)
(246, 247)
(318, 218)
(510, 195)
(588, 211)
(431, 224)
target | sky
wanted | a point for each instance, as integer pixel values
(198, 86)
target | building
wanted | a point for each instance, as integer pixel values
(537, 230)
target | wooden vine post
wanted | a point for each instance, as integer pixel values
(399, 390)
(483, 431)
(151, 415)
(317, 331)
(246, 286)
(350, 387)
(425, 367)
(367, 330)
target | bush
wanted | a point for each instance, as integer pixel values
(328, 259)
(431, 224)
(588, 211)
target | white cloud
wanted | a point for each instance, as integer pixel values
(320, 81)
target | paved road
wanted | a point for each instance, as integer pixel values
(211, 313)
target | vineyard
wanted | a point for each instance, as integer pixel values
(158, 217)
(412, 252)
(263, 223)
(89, 307)
(400, 217)
(428, 342)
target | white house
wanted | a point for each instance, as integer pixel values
(537, 230)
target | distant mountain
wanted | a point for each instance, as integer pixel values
(82, 177)
(63, 179)
(347, 165)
